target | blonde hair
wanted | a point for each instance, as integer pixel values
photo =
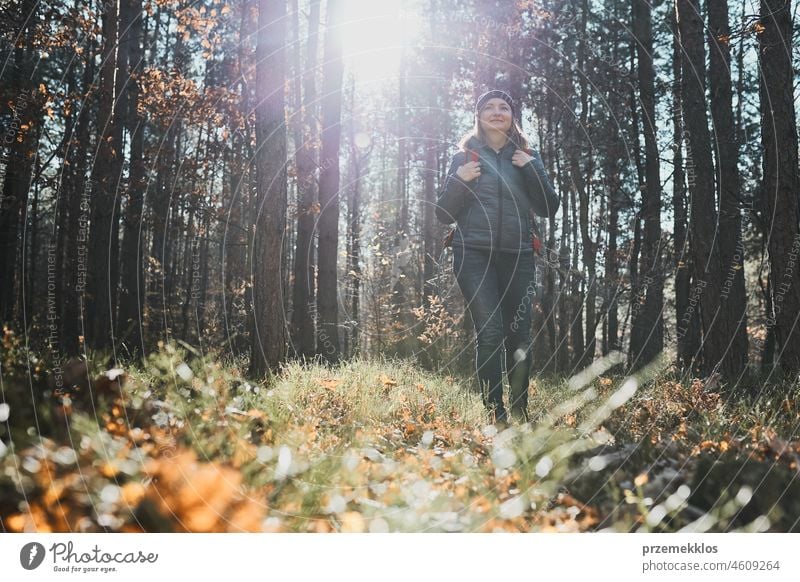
(514, 135)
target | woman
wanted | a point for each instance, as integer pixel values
(492, 185)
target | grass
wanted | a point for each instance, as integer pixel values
(185, 443)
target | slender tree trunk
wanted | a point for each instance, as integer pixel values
(589, 256)
(269, 337)
(768, 351)
(236, 293)
(61, 226)
(161, 242)
(706, 280)
(31, 249)
(327, 298)
(612, 254)
(160, 245)
(101, 283)
(400, 292)
(731, 245)
(647, 330)
(781, 179)
(132, 291)
(354, 274)
(687, 323)
(576, 294)
(22, 110)
(564, 303)
(636, 243)
(307, 135)
(431, 246)
(76, 237)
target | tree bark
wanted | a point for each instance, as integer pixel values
(101, 280)
(706, 280)
(328, 344)
(781, 180)
(688, 340)
(132, 290)
(22, 108)
(307, 135)
(269, 337)
(731, 245)
(647, 328)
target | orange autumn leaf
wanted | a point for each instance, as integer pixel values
(386, 381)
(353, 522)
(329, 384)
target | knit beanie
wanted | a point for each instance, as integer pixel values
(494, 93)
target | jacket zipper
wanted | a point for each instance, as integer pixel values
(500, 194)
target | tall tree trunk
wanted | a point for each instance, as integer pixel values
(62, 219)
(615, 197)
(31, 248)
(706, 279)
(589, 258)
(564, 302)
(579, 174)
(303, 299)
(781, 179)
(101, 281)
(269, 337)
(731, 245)
(236, 293)
(636, 242)
(327, 298)
(132, 291)
(400, 292)
(22, 108)
(548, 265)
(431, 247)
(77, 191)
(687, 323)
(576, 293)
(354, 275)
(647, 329)
(161, 241)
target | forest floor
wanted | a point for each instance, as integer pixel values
(185, 443)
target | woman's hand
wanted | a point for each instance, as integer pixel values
(520, 158)
(469, 171)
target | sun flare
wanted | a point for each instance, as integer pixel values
(375, 34)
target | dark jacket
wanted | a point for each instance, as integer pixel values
(492, 212)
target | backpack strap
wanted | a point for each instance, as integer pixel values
(536, 236)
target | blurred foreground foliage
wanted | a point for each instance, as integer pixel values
(187, 442)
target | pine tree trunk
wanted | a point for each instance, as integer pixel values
(132, 291)
(328, 344)
(731, 245)
(101, 281)
(77, 191)
(21, 109)
(647, 328)
(687, 325)
(304, 293)
(706, 280)
(353, 296)
(269, 337)
(781, 180)
(612, 254)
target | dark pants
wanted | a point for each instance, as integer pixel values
(499, 289)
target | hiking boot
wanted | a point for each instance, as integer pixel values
(499, 416)
(519, 415)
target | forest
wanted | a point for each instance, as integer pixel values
(221, 264)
